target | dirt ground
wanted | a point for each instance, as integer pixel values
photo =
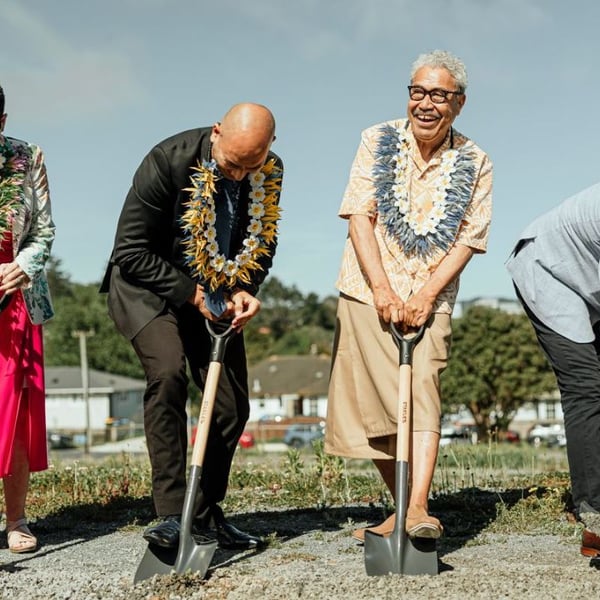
(311, 556)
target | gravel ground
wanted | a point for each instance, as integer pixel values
(312, 556)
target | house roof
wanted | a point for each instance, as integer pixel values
(69, 378)
(304, 375)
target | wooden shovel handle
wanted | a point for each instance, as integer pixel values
(209, 394)
(406, 344)
(404, 412)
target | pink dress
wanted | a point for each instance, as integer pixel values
(21, 373)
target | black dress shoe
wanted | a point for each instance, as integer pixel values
(231, 537)
(164, 534)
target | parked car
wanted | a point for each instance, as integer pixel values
(275, 418)
(547, 434)
(60, 441)
(456, 434)
(304, 434)
(512, 436)
(246, 439)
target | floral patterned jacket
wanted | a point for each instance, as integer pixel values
(28, 213)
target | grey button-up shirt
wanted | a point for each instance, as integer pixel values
(555, 266)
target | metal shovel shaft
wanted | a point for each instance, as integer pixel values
(193, 556)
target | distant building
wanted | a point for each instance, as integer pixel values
(289, 386)
(508, 305)
(544, 409)
(112, 398)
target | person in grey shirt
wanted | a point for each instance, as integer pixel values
(555, 269)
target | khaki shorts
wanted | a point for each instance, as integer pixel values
(363, 390)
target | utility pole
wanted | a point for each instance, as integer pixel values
(85, 384)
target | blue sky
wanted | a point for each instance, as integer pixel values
(97, 84)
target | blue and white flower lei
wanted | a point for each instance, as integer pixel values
(438, 229)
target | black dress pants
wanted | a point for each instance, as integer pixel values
(577, 370)
(163, 347)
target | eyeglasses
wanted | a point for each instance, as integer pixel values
(438, 96)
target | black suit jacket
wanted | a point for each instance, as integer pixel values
(146, 271)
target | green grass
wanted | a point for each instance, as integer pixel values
(495, 488)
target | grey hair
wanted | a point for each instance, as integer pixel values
(442, 59)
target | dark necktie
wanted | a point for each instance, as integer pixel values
(226, 201)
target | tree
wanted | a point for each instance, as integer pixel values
(308, 339)
(289, 322)
(281, 307)
(59, 282)
(495, 366)
(317, 312)
(81, 307)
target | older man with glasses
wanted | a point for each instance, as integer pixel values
(418, 205)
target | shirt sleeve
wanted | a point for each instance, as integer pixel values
(37, 243)
(359, 197)
(475, 227)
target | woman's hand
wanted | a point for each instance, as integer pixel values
(12, 278)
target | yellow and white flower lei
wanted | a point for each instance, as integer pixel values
(201, 249)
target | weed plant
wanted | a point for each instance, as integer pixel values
(497, 488)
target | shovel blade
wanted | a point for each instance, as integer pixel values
(399, 554)
(193, 556)
(190, 556)
(156, 561)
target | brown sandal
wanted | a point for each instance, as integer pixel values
(423, 526)
(20, 539)
(383, 529)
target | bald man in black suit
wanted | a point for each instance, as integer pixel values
(162, 285)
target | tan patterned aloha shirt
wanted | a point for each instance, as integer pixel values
(410, 254)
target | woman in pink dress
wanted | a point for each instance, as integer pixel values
(26, 235)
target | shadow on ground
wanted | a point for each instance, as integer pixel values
(81, 522)
(465, 514)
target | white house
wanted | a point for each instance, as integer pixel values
(112, 398)
(289, 386)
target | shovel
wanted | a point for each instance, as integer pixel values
(191, 555)
(396, 552)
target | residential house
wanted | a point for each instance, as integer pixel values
(112, 399)
(289, 386)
